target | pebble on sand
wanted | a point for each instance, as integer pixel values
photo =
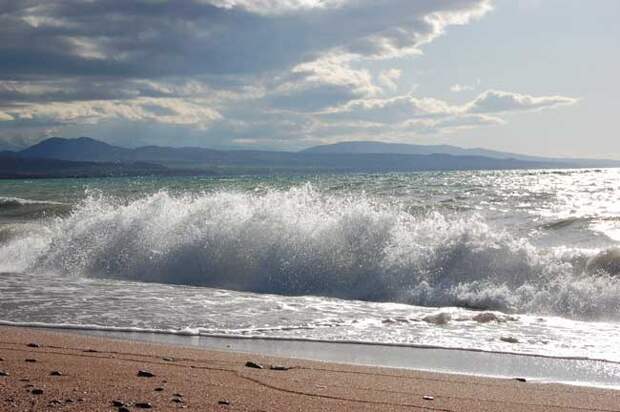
(30, 360)
(509, 339)
(521, 379)
(37, 391)
(143, 405)
(224, 402)
(255, 365)
(159, 389)
(145, 374)
(33, 345)
(3, 373)
(428, 397)
(55, 373)
(117, 403)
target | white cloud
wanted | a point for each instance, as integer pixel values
(496, 101)
(389, 78)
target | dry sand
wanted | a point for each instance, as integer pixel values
(95, 372)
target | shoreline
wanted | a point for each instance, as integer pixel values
(575, 371)
(99, 370)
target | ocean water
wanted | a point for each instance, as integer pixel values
(506, 261)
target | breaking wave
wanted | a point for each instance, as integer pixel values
(302, 241)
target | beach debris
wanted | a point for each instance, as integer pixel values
(143, 405)
(255, 365)
(30, 360)
(145, 374)
(440, 318)
(428, 397)
(3, 373)
(223, 402)
(168, 359)
(55, 373)
(33, 345)
(37, 391)
(509, 339)
(118, 403)
(279, 368)
(520, 379)
(159, 389)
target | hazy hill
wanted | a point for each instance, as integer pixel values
(360, 147)
(85, 156)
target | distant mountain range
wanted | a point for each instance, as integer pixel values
(84, 156)
(379, 147)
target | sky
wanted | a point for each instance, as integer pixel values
(526, 76)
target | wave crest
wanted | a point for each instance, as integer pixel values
(302, 241)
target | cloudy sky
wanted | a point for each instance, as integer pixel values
(529, 76)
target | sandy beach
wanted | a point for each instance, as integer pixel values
(47, 370)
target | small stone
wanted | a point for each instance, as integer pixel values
(143, 405)
(159, 389)
(279, 368)
(1, 359)
(255, 365)
(521, 379)
(145, 374)
(30, 360)
(90, 351)
(428, 397)
(123, 409)
(33, 345)
(3, 373)
(509, 339)
(37, 391)
(55, 373)
(178, 395)
(168, 359)
(80, 399)
(68, 400)
(116, 403)
(223, 402)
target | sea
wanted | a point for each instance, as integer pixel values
(517, 261)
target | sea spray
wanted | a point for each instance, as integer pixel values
(303, 241)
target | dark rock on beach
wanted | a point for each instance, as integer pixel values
(255, 365)
(143, 405)
(33, 345)
(55, 373)
(30, 360)
(3, 373)
(145, 374)
(37, 391)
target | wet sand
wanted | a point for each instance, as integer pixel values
(93, 372)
